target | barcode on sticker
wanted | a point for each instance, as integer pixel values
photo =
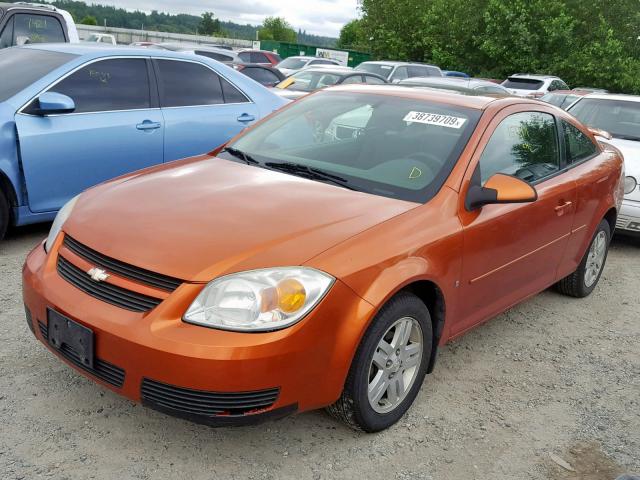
(435, 119)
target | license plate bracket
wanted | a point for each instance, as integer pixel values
(63, 331)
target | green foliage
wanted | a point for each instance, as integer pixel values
(89, 20)
(586, 43)
(209, 25)
(277, 28)
(352, 36)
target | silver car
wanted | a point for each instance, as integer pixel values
(294, 64)
(396, 71)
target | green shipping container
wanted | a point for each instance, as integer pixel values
(285, 50)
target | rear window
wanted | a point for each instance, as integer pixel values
(293, 63)
(523, 83)
(22, 67)
(215, 56)
(377, 68)
(618, 117)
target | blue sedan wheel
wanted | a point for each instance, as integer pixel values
(4, 215)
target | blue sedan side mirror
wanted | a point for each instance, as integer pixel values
(51, 103)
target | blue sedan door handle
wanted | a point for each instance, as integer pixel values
(148, 125)
(246, 118)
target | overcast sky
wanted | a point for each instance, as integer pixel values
(320, 17)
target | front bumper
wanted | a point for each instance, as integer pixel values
(205, 375)
(628, 220)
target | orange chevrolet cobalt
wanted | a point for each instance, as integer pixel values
(320, 258)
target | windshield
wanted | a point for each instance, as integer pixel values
(377, 68)
(23, 66)
(553, 99)
(620, 118)
(523, 83)
(309, 81)
(293, 63)
(385, 145)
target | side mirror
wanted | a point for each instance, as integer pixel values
(600, 133)
(500, 188)
(51, 103)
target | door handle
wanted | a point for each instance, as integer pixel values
(560, 209)
(246, 118)
(148, 125)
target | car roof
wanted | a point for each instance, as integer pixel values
(396, 62)
(27, 6)
(534, 76)
(97, 50)
(309, 57)
(177, 47)
(577, 93)
(457, 81)
(476, 102)
(337, 69)
(616, 96)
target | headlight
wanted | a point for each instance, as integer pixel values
(259, 300)
(630, 185)
(62, 216)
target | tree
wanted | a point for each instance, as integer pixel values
(352, 35)
(89, 20)
(277, 28)
(586, 43)
(209, 25)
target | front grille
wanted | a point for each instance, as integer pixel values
(105, 371)
(122, 269)
(27, 313)
(622, 221)
(207, 404)
(120, 297)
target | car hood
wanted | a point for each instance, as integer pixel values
(287, 71)
(202, 218)
(631, 151)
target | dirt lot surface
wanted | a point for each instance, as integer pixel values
(552, 382)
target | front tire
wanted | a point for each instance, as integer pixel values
(584, 280)
(389, 366)
(4, 214)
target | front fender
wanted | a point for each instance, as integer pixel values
(9, 155)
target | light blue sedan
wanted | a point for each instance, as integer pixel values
(74, 115)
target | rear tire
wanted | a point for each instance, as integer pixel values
(4, 214)
(398, 375)
(584, 280)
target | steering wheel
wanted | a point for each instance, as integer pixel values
(427, 160)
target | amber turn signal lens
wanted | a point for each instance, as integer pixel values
(291, 295)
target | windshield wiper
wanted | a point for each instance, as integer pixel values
(246, 158)
(310, 173)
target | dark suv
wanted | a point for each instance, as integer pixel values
(24, 23)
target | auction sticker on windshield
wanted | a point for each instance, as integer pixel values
(435, 119)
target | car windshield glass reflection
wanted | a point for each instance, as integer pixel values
(389, 146)
(618, 117)
(310, 81)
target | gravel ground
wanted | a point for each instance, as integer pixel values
(553, 381)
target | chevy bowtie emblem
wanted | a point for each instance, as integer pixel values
(98, 275)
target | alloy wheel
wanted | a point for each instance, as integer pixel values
(395, 364)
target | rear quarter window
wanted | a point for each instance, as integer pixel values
(578, 146)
